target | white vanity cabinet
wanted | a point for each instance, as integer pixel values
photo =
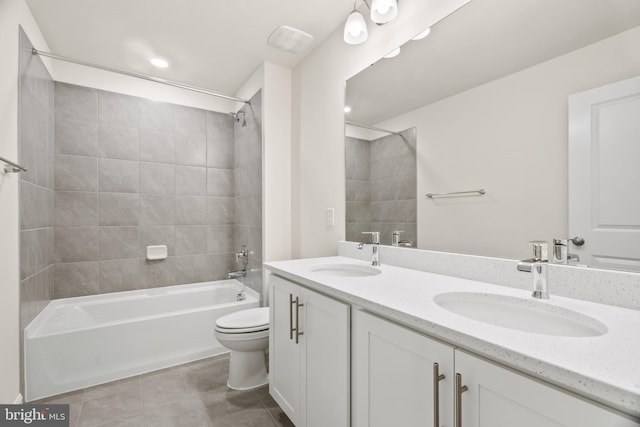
(309, 355)
(498, 397)
(395, 376)
(394, 384)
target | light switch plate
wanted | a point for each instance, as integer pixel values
(331, 217)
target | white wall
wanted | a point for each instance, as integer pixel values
(509, 136)
(91, 77)
(253, 84)
(362, 133)
(12, 14)
(276, 163)
(318, 138)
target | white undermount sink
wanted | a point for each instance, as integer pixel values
(345, 270)
(523, 314)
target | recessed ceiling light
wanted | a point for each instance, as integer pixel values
(422, 35)
(160, 63)
(347, 109)
(395, 52)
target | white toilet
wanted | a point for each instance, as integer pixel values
(246, 334)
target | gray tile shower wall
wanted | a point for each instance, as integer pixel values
(381, 187)
(247, 184)
(358, 191)
(35, 144)
(130, 172)
(393, 186)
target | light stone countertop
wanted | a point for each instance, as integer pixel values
(605, 368)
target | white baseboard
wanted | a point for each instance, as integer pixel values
(19, 400)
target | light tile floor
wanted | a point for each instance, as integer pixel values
(190, 395)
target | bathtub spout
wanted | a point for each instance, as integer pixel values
(237, 274)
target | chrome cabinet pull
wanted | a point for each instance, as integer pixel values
(291, 316)
(459, 390)
(437, 377)
(298, 305)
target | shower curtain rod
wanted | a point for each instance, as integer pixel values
(359, 125)
(138, 75)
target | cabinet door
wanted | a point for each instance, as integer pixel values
(284, 353)
(325, 361)
(498, 397)
(394, 382)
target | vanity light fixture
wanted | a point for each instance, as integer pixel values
(382, 11)
(347, 109)
(395, 52)
(159, 62)
(355, 29)
(422, 35)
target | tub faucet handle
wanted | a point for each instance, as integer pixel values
(243, 256)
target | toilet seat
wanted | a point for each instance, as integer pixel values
(241, 330)
(244, 321)
(227, 338)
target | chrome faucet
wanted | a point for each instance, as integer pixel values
(375, 243)
(561, 253)
(538, 267)
(540, 282)
(395, 240)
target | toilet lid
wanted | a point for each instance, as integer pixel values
(244, 319)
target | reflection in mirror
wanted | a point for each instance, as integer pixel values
(488, 92)
(381, 185)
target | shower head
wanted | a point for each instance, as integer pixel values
(244, 120)
(236, 117)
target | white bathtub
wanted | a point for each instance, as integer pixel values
(84, 341)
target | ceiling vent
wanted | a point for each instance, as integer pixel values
(290, 39)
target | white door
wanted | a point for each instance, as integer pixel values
(284, 353)
(394, 377)
(498, 397)
(325, 361)
(604, 175)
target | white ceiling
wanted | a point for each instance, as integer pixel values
(214, 44)
(482, 41)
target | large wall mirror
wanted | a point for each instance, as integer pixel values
(497, 97)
